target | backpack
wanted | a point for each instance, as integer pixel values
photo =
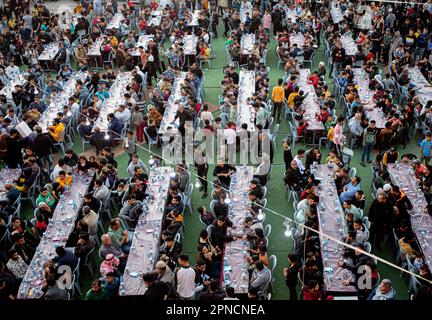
(370, 136)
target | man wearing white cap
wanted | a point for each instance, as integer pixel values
(321, 69)
(165, 274)
(385, 189)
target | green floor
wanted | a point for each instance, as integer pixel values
(279, 245)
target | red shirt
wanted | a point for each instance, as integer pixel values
(41, 226)
(308, 295)
(313, 80)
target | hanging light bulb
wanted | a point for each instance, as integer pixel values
(287, 224)
(106, 136)
(260, 215)
(69, 114)
(287, 232)
(197, 184)
(151, 162)
(227, 200)
(173, 174)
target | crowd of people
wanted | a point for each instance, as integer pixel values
(377, 105)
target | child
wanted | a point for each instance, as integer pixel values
(267, 21)
(418, 261)
(425, 148)
(64, 179)
(41, 223)
(301, 128)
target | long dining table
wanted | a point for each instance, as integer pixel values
(361, 79)
(10, 86)
(234, 268)
(336, 12)
(155, 19)
(172, 106)
(116, 97)
(190, 42)
(144, 251)
(247, 43)
(143, 41)
(56, 104)
(332, 223)
(245, 112)
(57, 233)
(421, 222)
(115, 21)
(49, 52)
(422, 86)
(194, 21)
(298, 38)
(310, 104)
(349, 45)
(7, 176)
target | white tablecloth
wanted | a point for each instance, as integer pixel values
(172, 106)
(144, 251)
(235, 265)
(245, 112)
(361, 79)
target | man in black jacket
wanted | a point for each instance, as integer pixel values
(183, 115)
(171, 252)
(290, 274)
(293, 177)
(256, 188)
(380, 214)
(402, 203)
(219, 232)
(360, 264)
(43, 146)
(220, 208)
(156, 290)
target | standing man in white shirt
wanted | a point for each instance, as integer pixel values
(230, 135)
(298, 158)
(186, 278)
(123, 114)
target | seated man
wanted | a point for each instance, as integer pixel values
(107, 247)
(136, 162)
(350, 208)
(56, 130)
(293, 177)
(256, 188)
(120, 237)
(220, 208)
(384, 291)
(65, 258)
(171, 252)
(350, 189)
(261, 276)
(84, 245)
